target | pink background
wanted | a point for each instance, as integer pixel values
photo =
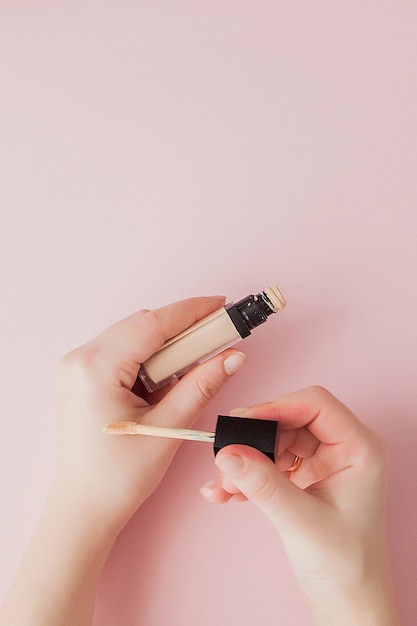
(156, 150)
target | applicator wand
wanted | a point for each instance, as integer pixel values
(259, 434)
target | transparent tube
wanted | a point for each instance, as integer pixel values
(208, 337)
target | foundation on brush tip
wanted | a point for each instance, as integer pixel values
(209, 336)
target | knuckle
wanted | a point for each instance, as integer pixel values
(70, 360)
(80, 361)
(370, 458)
(374, 455)
(139, 315)
(206, 390)
(153, 319)
(319, 391)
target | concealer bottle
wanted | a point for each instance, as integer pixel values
(209, 336)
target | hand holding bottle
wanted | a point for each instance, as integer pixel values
(100, 481)
(97, 385)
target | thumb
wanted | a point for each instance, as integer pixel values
(259, 479)
(185, 401)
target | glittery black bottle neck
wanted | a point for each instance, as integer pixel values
(255, 309)
(250, 312)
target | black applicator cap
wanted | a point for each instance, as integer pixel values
(259, 434)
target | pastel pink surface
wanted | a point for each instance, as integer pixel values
(153, 151)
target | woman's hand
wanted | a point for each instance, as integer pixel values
(100, 481)
(114, 475)
(330, 512)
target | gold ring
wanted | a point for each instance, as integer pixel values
(296, 463)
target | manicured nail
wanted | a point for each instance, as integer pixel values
(211, 484)
(241, 412)
(234, 362)
(231, 465)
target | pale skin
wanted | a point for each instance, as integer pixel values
(339, 558)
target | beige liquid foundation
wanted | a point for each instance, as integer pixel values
(209, 336)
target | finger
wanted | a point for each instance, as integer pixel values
(296, 442)
(220, 496)
(315, 408)
(182, 405)
(260, 481)
(291, 444)
(126, 344)
(300, 442)
(215, 492)
(286, 460)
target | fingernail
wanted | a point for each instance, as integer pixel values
(231, 465)
(234, 362)
(241, 412)
(211, 484)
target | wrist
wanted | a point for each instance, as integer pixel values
(367, 599)
(64, 561)
(92, 522)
